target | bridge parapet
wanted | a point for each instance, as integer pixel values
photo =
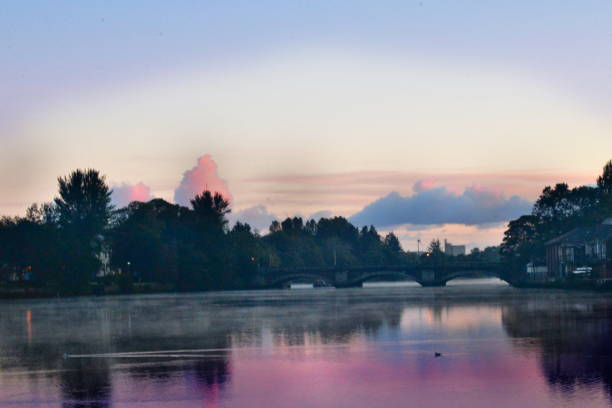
(425, 273)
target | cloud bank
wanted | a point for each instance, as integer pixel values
(429, 205)
(257, 217)
(260, 218)
(201, 177)
(125, 193)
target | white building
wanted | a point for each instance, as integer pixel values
(453, 250)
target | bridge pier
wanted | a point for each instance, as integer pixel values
(340, 279)
(430, 278)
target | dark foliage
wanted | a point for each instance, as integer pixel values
(558, 210)
(79, 243)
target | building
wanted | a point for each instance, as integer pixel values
(453, 250)
(582, 251)
(536, 273)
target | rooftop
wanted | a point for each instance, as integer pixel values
(602, 232)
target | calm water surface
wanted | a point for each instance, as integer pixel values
(370, 347)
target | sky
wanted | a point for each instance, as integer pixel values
(433, 119)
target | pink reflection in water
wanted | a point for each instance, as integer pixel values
(385, 359)
(390, 374)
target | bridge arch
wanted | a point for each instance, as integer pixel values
(358, 281)
(468, 274)
(426, 274)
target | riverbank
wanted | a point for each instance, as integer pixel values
(33, 292)
(577, 285)
(149, 288)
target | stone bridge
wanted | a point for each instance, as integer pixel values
(426, 273)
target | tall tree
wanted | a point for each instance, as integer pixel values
(393, 249)
(434, 251)
(392, 243)
(84, 203)
(211, 209)
(604, 182)
(83, 210)
(370, 246)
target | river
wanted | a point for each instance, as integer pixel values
(470, 344)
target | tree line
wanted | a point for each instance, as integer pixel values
(558, 210)
(63, 246)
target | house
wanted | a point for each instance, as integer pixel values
(582, 251)
(453, 250)
(536, 272)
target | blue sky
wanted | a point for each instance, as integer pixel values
(55, 48)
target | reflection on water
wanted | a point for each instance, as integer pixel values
(371, 347)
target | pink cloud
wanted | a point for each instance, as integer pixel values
(125, 193)
(528, 184)
(348, 192)
(423, 185)
(201, 177)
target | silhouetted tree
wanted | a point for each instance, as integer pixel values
(83, 210)
(246, 254)
(84, 204)
(275, 227)
(59, 244)
(558, 210)
(393, 249)
(434, 246)
(392, 243)
(29, 250)
(604, 182)
(211, 209)
(146, 238)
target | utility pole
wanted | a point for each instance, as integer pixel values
(418, 246)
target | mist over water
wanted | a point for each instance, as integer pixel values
(367, 347)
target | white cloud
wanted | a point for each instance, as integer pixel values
(257, 217)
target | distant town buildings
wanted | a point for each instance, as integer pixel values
(453, 250)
